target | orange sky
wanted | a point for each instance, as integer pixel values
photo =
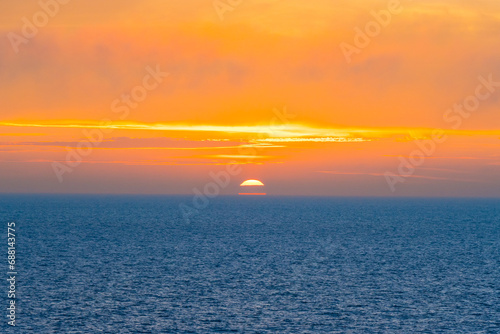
(188, 90)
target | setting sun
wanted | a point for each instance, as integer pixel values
(252, 183)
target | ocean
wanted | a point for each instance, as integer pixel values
(133, 264)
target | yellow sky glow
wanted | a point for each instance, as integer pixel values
(188, 91)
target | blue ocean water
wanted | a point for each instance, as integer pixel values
(131, 264)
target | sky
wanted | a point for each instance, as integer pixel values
(313, 98)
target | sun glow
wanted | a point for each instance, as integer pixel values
(251, 183)
(351, 124)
